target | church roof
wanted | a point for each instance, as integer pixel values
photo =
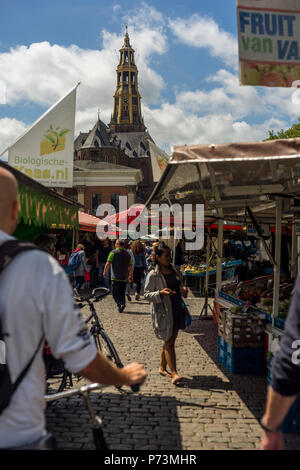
(80, 140)
(134, 144)
(98, 137)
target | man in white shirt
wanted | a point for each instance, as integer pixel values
(36, 300)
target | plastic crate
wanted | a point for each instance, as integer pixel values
(245, 365)
(241, 360)
(279, 323)
(230, 298)
(268, 318)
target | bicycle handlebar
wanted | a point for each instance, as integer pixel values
(81, 390)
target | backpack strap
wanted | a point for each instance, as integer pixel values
(8, 251)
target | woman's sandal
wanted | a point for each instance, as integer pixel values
(165, 373)
(177, 381)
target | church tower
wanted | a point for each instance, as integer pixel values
(127, 116)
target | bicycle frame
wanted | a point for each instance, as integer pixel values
(96, 421)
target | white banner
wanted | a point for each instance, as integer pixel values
(45, 152)
(269, 42)
(159, 160)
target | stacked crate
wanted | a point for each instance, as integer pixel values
(241, 343)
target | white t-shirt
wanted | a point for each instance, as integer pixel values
(36, 299)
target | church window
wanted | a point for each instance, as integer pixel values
(96, 201)
(128, 145)
(114, 200)
(125, 77)
(133, 78)
(126, 57)
(135, 154)
(143, 146)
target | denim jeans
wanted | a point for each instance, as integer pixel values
(105, 282)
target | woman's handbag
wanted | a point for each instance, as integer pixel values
(188, 318)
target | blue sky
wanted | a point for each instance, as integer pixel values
(186, 53)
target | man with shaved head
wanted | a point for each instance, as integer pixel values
(36, 302)
(9, 205)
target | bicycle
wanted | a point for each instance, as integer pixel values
(96, 422)
(101, 338)
(57, 377)
(56, 383)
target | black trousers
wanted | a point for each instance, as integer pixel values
(118, 292)
(138, 274)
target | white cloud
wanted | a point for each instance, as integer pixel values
(43, 73)
(171, 125)
(10, 130)
(204, 32)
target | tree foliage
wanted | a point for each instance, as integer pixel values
(290, 133)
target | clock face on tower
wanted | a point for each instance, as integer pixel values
(125, 100)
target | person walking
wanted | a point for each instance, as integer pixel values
(140, 266)
(285, 378)
(179, 260)
(102, 253)
(81, 263)
(151, 258)
(129, 285)
(163, 288)
(34, 284)
(120, 262)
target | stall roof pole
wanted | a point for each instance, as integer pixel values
(220, 212)
(294, 251)
(259, 233)
(276, 282)
(220, 255)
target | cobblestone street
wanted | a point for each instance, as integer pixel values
(213, 409)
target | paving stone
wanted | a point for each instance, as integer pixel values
(215, 410)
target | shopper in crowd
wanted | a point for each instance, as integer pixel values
(79, 272)
(120, 262)
(102, 253)
(179, 260)
(285, 378)
(46, 243)
(140, 266)
(129, 285)
(151, 259)
(45, 300)
(163, 288)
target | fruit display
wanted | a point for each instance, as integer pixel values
(269, 75)
(259, 293)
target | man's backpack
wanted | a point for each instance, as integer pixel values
(8, 251)
(74, 260)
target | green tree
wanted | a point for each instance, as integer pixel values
(290, 133)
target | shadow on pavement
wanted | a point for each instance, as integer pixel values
(251, 389)
(129, 422)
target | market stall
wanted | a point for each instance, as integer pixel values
(250, 183)
(41, 208)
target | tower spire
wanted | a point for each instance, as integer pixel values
(127, 116)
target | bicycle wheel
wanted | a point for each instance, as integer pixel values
(56, 377)
(105, 345)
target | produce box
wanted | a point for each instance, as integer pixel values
(241, 330)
